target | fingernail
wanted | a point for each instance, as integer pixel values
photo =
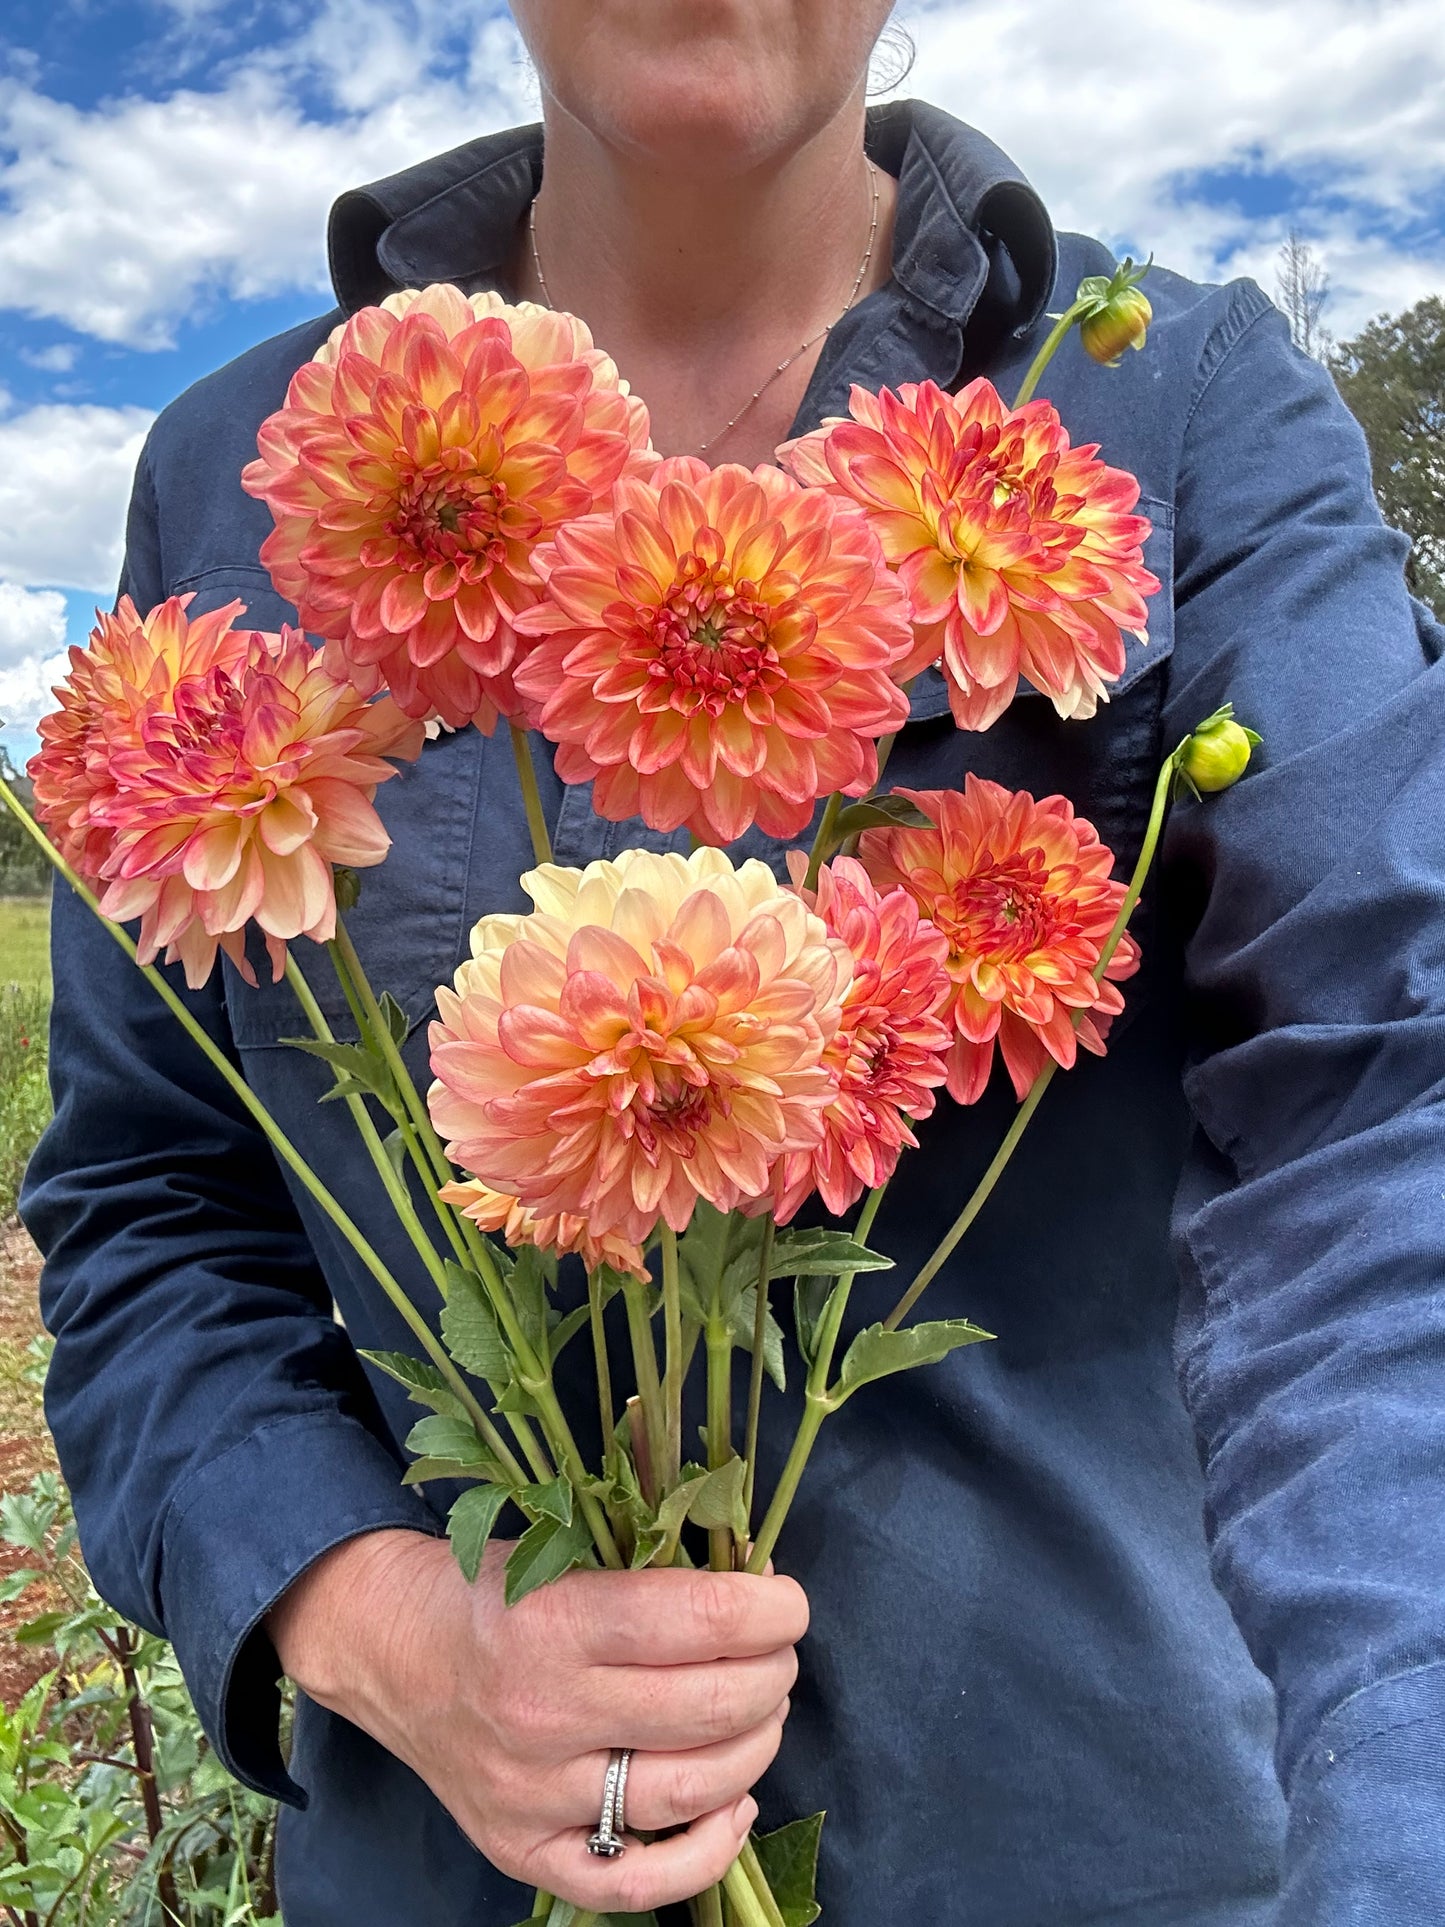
(745, 1812)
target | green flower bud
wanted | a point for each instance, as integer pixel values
(1217, 754)
(1121, 322)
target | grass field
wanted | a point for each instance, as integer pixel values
(24, 1010)
(25, 942)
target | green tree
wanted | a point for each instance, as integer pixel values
(1392, 377)
(24, 872)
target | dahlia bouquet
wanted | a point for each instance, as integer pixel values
(657, 1067)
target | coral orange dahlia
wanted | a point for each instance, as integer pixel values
(130, 664)
(651, 1033)
(1021, 554)
(718, 647)
(890, 1051)
(233, 799)
(419, 459)
(1024, 894)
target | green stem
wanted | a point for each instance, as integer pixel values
(606, 1410)
(746, 1901)
(752, 1866)
(981, 1194)
(531, 796)
(373, 1024)
(1046, 354)
(823, 841)
(755, 1374)
(983, 1190)
(708, 1908)
(719, 1428)
(649, 1385)
(415, 1142)
(673, 1373)
(356, 984)
(275, 1136)
(542, 1904)
(817, 1401)
(401, 1202)
(393, 1184)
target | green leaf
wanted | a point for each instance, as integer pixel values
(551, 1501)
(744, 1314)
(358, 1068)
(394, 1144)
(396, 1018)
(443, 1437)
(810, 1301)
(518, 1403)
(470, 1523)
(424, 1382)
(566, 1329)
(470, 1329)
(17, 1583)
(530, 1277)
(543, 1553)
(789, 1858)
(876, 1352)
(716, 1499)
(40, 1630)
(422, 1471)
(817, 1252)
(888, 812)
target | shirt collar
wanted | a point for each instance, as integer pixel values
(967, 219)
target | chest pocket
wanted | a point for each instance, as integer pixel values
(409, 926)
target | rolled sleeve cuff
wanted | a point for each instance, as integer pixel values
(242, 1528)
(1367, 1811)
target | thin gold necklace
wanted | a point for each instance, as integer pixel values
(802, 347)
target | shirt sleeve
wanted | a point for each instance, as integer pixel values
(1310, 1223)
(211, 1417)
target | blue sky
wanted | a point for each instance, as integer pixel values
(166, 166)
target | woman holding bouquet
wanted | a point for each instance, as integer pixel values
(1056, 1671)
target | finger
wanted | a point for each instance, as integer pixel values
(672, 1617)
(644, 1877)
(672, 1709)
(663, 1789)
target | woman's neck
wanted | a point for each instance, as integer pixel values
(699, 287)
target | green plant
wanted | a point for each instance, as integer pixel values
(24, 1088)
(114, 1811)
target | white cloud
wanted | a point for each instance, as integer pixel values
(32, 623)
(124, 220)
(65, 476)
(58, 359)
(32, 658)
(1111, 108)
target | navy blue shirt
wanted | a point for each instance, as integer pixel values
(1134, 1616)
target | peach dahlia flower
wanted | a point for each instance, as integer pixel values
(234, 793)
(419, 459)
(560, 1232)
(890, 1051)
(651, 1033)
(1021, 555)
(717, 647)
(1024, 893)
(130, 664)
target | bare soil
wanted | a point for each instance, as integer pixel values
(25, 1446)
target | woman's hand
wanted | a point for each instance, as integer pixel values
(509, 1714)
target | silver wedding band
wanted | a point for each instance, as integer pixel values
(607, 1843)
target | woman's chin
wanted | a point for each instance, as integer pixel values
(716, 123)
